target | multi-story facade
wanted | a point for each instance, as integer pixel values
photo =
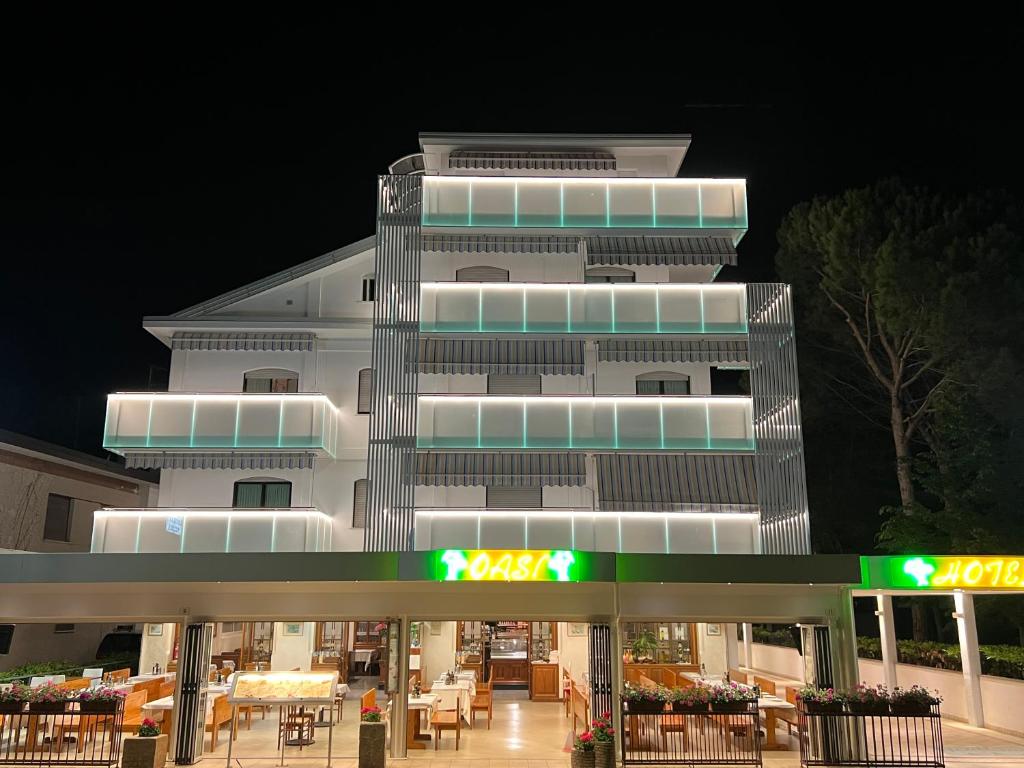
(542, 320)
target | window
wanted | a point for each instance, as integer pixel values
(609, 275)
(271, 380)
(57, 525)
(230, 626)
(511, 384)
(663, 383)
(359, 504)
(365, 390)
(481, 274)
(256, 494)
(514, 498)
(63, 629)
(369, 288)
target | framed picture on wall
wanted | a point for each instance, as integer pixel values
(576, 629)
(714, 629)
(154, 630)
(292, 629)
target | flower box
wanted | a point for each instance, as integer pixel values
(823, 707)
(910, 708)
(644, 706)
(47, 707)
(868, 707)
(98, 707)
(689, 707)
(730, 706)
(144, 751)
(11, 707)
(372, 753)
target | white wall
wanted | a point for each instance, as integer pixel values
(156, 649)
(291, 651)
(437, 651)
(711, 650)
(784, 662)
(573, 653)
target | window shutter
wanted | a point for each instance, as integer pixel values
(359, 505)
(481, 274)
(365, 390)
(512, 384)
(248, 495)
(648, 387)
(677, 387)
(514, 498)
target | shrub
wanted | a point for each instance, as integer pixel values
(585, 742)
(818, 695)
(999, 660)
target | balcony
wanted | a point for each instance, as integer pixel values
(585, 203)
(604, 423)
(210, 530)
(578, 308)
(731, 531)
(180, 421)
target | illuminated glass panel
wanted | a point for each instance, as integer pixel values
(580, 422)
(483, 201)
(584, 308)
(171, 420)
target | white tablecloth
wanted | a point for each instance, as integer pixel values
(167, 702)
(457, 696)
(362, 656)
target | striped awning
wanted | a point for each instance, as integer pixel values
(201, 460)
(642, 481)
(506, 356)
(660, 250)
(244, 342)
(472, 243)
(510, 470)
(672, 351)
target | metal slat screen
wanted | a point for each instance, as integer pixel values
(390, 510)
(194, 674)
(600, 669)
(774, 385)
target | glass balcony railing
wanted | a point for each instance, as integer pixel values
(211, 530)
(502, 201)
(596, 308)
(558, 422)
(189, 421)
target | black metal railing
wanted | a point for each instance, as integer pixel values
(857, 739)
(66, 737)
(699, 738)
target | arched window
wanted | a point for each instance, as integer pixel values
(663, 383)
(609, 275)
(365, 398)
(270, 380)
(359, 504)
(262, 492)
(369, 292)
(481, 274)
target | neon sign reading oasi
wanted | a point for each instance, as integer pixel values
(958, 572)
(506, 565)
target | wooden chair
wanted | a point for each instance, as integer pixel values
(737, 676)
(446, 720)
(133, 716)
(220, 714)
(151, 687)
(566, 690)
(789, 716)
(119, 675)
(668, 678)
(166, 689)
(251, 666)
(645, 682)
(766, 685)
(482, 702)
(368, 699)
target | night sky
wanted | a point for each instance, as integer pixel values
(151, 163)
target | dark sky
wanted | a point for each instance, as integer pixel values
(153, 162)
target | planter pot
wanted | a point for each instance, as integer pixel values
(371, 745)
(868, 708)
(688, 709)
(47, 707)
(11, 707)
(730, 706)
(910, 709)
(823, 708)
(580, 759)
(644, 707)
(604, 754)
(97, 707)
(144, 751)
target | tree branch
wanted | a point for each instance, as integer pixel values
(869, 357)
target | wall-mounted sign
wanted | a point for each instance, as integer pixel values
(506, 565)
(946, 572)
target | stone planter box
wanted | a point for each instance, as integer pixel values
(144, 751)
(372, 753)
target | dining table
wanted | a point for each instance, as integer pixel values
(424, 703)
(458, 695)
(767, 703)
(161, 706)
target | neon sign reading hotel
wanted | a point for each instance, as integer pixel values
(955, 572)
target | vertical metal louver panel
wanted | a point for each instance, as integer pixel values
(481, 274)
(390, 510)
(600, 668)
(512, 384)
(499, 497)
(194, 674)
(359, 504)
(365, 390)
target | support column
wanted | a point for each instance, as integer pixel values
(400, 698)
(748, 645)
(967, 631)
(887, 633)
(843, 636)
(732, 647)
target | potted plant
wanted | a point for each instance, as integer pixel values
(730, 697)
(604, 741)
(819, 700)
(913, 701)
(146, 749)
(645, 646)
(49, 698)
(641, 700)
(12, 700)
(99, 700)
(868, 700)
(693, 698)
(583, 751)
(371, 738)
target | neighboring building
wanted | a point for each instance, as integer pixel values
(47, 498)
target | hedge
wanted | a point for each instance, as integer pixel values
(63, 667)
